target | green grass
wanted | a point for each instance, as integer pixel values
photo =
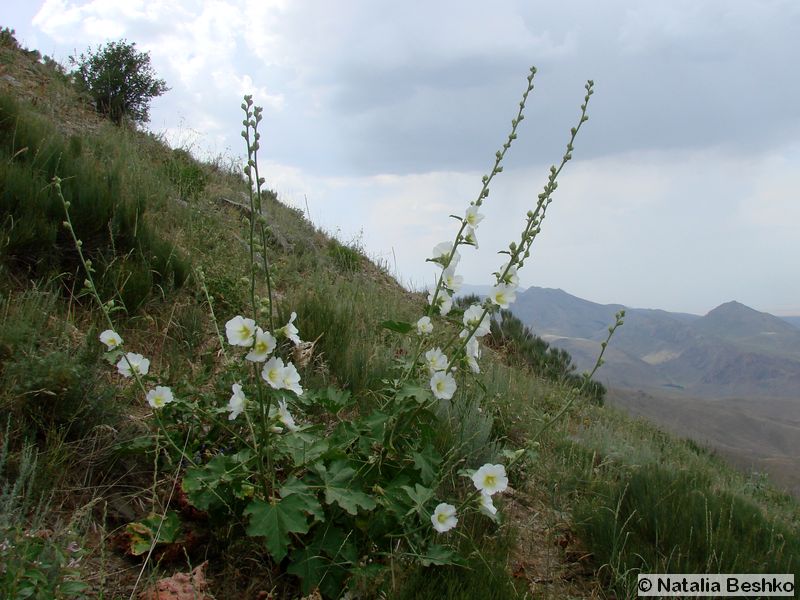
(659, 520)
(109, 194)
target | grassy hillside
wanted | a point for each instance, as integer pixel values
(97, 501)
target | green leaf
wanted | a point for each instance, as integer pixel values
(398, 326)
(201, 483)
(142, 533)
(344, 435)
(427, 463)
(419, 495)
(439, 555)
(375, 425)
(418, 393)
(310, 503)
(324, 562)
(341, 488)
(335, 400)
(303, 447)
(73, 588)
(276, 521)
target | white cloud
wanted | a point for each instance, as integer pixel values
(682, 194)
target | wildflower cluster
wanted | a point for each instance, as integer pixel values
(372, 476)
(244, 332)
(488, 481)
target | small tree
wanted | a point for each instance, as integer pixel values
(120, 80)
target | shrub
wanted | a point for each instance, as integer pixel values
(120, 81)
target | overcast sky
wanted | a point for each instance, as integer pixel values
(381, 118)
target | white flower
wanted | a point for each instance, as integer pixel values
(511, 279)
(285, 417)
(441, 252)
(473, 352)
(490, 479)
(159, 396)
(240, 331)
(289, 331)
(290, 379)
(444, 517)
(451, 280)
(487, 507)
(133, 363)
(111, 339)
(472, 317)
(503, 295)
(424, 326)
(435, 360)
(237, 402)
(444, 302)
(272, 372)
(473, 217)
(470, 238)
(443, 385)
(263, 346)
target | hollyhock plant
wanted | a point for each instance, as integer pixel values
(473, 217)
(472, 317)
(237, 402)
(444, 517)
(443, 385)
(503, 295)
(289, 331)
(424, 326)
(511, 278)
(473, 352)
(435, 360)
(290, 379)
(452, 281)
(470, 237)
(486, 505)
(441, 253)
(240, 331)
(490, 479)
(133, 363)
(111, 339)
(284, 416)
(160, 396)
(263, 346)
(444, 302)
(272, 372)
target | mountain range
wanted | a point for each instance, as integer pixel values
(733, 351)
(729, 379)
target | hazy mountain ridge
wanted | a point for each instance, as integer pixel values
(733, 350)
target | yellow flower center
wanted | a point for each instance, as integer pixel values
(441, 518)
(489, 481)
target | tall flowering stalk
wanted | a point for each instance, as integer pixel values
(476, 318)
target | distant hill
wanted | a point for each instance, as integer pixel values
(733, 351)
(795, 321)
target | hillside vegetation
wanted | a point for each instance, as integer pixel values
(98, 500)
